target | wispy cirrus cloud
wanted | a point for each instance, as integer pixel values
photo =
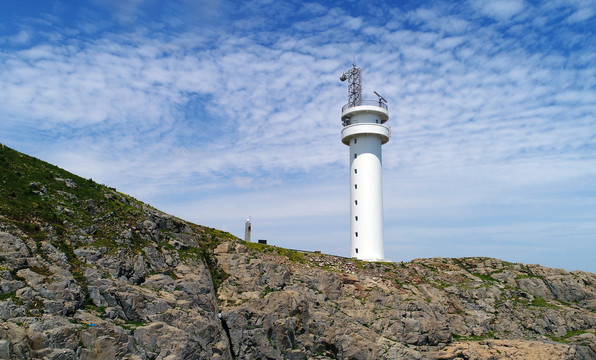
(492, 106)
(499, 9)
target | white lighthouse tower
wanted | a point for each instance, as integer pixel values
(364, 133)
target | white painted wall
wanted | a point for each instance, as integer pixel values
(364, 134)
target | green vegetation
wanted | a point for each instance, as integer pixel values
(6, 296)
(44, 200)
(49, 203)
(564, 338)
(541, 302)
(485, 277)
(526, 276)
(216, 236)
(267, 291)
(131, 325)
(431, 268)
(135, 323)
(205, 253)
(41, 270)
(292, 255)
(89, 305)
(466, 267)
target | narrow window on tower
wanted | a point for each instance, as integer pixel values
(355, 202)
(356, 233)
(356, 250)
(356, 217)
(355, 186)
(355, 141)
(355, 171)
(355, 156)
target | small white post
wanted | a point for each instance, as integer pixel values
(247, 230)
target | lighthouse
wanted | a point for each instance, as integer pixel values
(363, 131)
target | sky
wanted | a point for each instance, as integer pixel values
(216, 110)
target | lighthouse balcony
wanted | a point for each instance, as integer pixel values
(366, 103)
(373, 107)
(351, 131)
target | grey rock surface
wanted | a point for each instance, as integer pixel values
(320, 306)
(62, 298)
(92, 273)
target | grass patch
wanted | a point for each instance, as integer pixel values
(541, 302)
(563, 339)
(41, 270)
(262, 248)
(135, 323)
(485, 277)
(89, 305)
(50, 204)
(431, 268)
(267, 291)
(526, 276)
(13, 273)
(131, 325)
(6, 296)
(35, 193)
(292, 255)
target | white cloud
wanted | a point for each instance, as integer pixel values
(21, 38)
(125, 11)
(215, 127)
(581, 14)
(499, 9)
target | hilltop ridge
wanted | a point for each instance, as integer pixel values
(90, 273)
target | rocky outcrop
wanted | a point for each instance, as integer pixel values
(107, 303)
(89, 273)
(319, 306)
(95, 302)
(505, 349)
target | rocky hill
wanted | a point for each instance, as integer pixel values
(90, 273)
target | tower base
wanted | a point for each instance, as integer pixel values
(373, 260)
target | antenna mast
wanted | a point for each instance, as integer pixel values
(354, 77)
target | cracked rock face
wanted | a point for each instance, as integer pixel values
(89, 273)
(276, 304)
(159, 302)
(94, 302)
(474, 308)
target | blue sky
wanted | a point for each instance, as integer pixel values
(218, 110)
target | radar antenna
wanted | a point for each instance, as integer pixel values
(381, 99)
(354, 77)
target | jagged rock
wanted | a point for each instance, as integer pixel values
(223, 248)
(59, 258)
(506, 349)
(68, 182)
(155, 310)
(38, 188)
(90, 254)
(107, 277)
(349, 313)
(535, 286)
(14, 343)
(64, 210)
(12, 247)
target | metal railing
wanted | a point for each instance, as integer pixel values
(366, 102)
